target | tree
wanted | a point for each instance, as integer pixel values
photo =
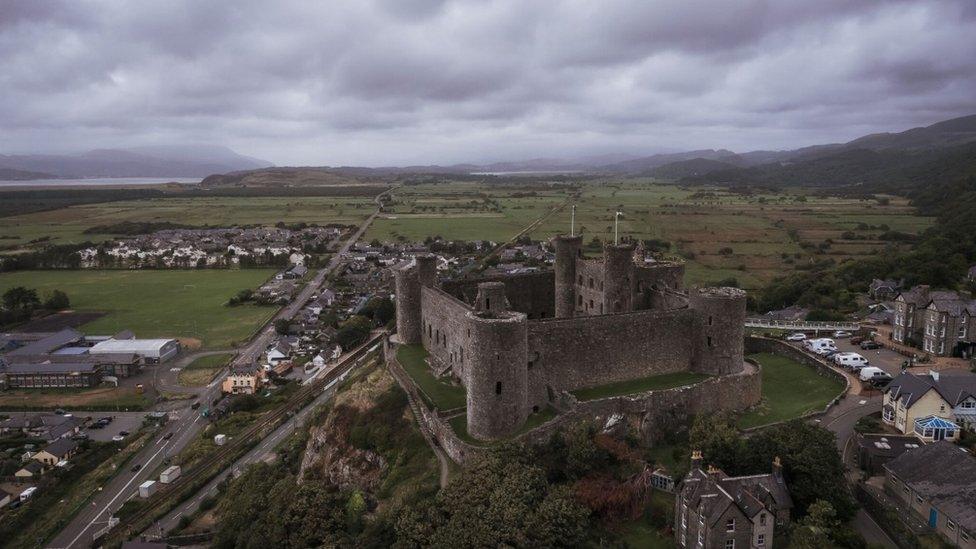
(282, 326)
(57, 301)
(381, 309)
(718, 439)
(353, 331)
(22, 298)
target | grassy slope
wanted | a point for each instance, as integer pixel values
(441, 393)
(188, 304)
(202, 369)
(663, 381)
(789, 390)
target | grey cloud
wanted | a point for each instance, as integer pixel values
(384, 82)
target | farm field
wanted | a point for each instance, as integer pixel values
(186, 304)
(97, 398)
(721, 235)
(201, 371)
(67, 225)
(789, 390)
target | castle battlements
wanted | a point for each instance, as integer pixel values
(515, 343)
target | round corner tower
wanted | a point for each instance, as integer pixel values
(427, 270)
(618, 277)
(408, 314)
(567, 250)
(497, 384)
(720, 318)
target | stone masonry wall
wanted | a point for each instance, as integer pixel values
(567, 354)
(444, 330)
(529, 293)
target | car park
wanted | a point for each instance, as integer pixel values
(796, 336)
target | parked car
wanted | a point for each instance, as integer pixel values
(124, 433)
(59, 412)
(118, 438)
(796, 336)
(872, 372)
(820, 346)
(840, 334)
(851, 361)
(868, 345)
(106, 420)
(195, 405)
(167, 436)
(856, 340)
(880, 381)
(136, 467)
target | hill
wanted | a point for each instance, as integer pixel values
(173, 161)
(10, 174)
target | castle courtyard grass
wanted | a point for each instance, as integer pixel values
(439, 392)
(789, 390)
(633, 386)
(185, 304)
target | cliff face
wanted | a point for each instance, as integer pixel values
(339, 448)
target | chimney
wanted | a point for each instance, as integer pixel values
(934, 375)
(696, 459)
(713, 472)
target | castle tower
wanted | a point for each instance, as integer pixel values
(427, 270)
(567, 251)
(720, 317)
(618, 278)
(491, 298)
(497, 380)
(408, 317)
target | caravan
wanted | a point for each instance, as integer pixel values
(821, 346)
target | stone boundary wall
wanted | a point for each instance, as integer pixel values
(656, 409)
(757, 344)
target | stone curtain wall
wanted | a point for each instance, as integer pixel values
(589, 351)
(444, 327)
(529, 293)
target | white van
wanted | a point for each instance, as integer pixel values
(872, 372)
(820, 346)
(851, 361)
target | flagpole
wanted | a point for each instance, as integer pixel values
(616, 221)
(572, 222)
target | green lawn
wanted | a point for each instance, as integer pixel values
(789, 390)
(663, 381)
(184, 304)
(201, 370)
(440, 393)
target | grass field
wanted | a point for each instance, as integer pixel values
(438, 392)
(200, 371)
(67, 225)
(722, 235)
(183, 304)
(98, 398)
(789, 390)
(663, 381)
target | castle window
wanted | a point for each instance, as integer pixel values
(579, 300)
(591, 304)
(530, 365)
(535, 409)
(429, 331)
(709, 320)
(487, 303)
(498, 387)
(591, 282)
(580, 281)
(709, 341)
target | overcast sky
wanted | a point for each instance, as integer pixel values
(394, 82)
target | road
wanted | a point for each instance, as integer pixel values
(80, 531)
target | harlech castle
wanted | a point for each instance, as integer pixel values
(517, 343)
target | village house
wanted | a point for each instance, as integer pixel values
(31, 469)
(716, 511)
(932, 407)
(56, 452)
(941, 323)
(242, 381)
(884, 289)
(937, 483)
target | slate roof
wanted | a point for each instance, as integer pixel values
(49, 343)
(909, 387)
(61, 447)
(943, 474)
(52, 368)
(751, 494)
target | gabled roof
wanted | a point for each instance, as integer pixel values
(61, 447)
(945, 475)
(48, 344)
(954, 389)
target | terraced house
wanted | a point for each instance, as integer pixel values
(941, 323)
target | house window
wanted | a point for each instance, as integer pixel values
(918, 499)
(730, 525)
(762, 519)
(701, 537)
(969, 404)
(964, 535)
(950, 525)
(761, 540)
(730, 544)
(889, 414)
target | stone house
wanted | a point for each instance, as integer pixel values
(56, 452)
(884, 289)
(941, 323)
(937, 483)
(243, 381)
(716, 511)
(914, 404)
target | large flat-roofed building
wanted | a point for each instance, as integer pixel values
(153, 351)
(33, 376)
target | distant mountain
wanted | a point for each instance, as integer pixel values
(646, 163)
(10, 174)
(956, 131)
(172, 161)
(690, 168)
